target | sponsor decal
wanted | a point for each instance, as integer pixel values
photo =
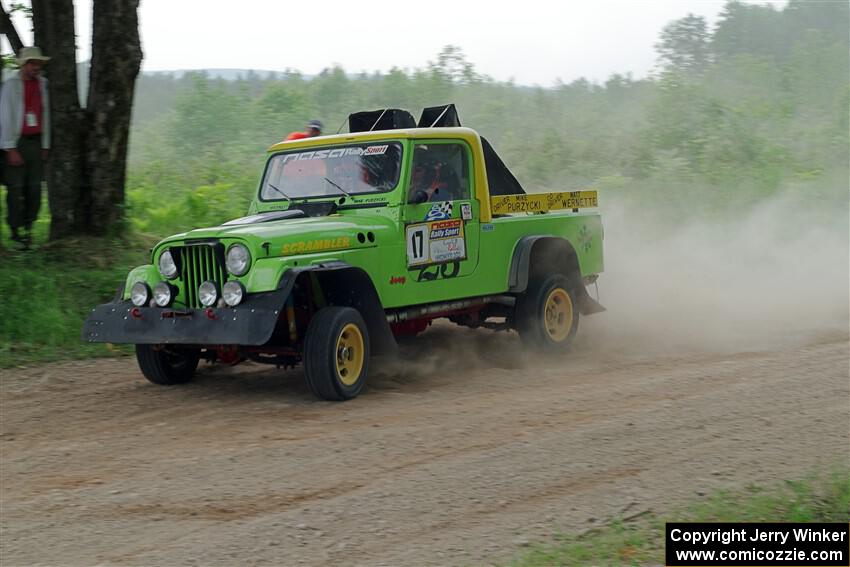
(319, 245)
(487, 227)
(466, 211)
(375, 150)
(444, 229)
(334, 153)
(445, 249)
(435, 242)
(397, 280)
(439, 211)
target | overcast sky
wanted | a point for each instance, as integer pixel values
(531, 41)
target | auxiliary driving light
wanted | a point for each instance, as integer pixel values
(140, 293)
(208, 294)
(163, 294)
(167, 267)
(234, 293)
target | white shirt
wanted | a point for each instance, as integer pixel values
(12, 113)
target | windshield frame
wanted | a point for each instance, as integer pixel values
(291, 199)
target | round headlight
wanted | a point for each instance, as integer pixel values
(238, 260)
(233, 293)
(208, 294)
(167, 267)
(162, 294)
(140, 293)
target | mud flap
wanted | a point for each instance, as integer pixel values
(587, 305)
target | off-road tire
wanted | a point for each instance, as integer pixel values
(330, 370)
(555, 293)
(167, 367)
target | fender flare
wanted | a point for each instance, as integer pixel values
(521, 263)
(346, 285)
(522, 266)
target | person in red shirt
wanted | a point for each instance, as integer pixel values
(25, 138)
(313, 129)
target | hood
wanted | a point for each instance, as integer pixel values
(290, 236)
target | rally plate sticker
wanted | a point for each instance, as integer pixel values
(435, 242)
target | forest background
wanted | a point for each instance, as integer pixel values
(751, 108)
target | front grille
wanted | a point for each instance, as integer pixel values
(199, 263)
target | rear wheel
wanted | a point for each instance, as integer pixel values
(167, 366)
(336, 353)
(546, 314)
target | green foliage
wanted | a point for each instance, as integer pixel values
(49, 293)
(758, 101)
(684, 45)
(817, 498)
(207, 205)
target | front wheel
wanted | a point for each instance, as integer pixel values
(336, 353)
(546, 315)
(166, 365)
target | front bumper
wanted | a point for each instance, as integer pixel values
(250, 323)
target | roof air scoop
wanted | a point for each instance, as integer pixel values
(384, 119)
(439, 117)
(444, 116)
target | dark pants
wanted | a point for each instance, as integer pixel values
(23, 184)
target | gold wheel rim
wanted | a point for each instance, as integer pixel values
(558, 315)
(350, 349)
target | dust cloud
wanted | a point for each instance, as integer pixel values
(755, 277)
(699, 279)
(765, 276)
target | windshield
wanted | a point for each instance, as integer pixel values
(339, 170)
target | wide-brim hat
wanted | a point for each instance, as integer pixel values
(30, 54)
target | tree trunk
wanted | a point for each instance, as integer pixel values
(53, 22)
(87, 169)
(116, 58)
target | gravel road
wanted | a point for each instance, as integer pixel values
(463, 453)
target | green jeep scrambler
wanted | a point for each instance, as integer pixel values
(354, 241)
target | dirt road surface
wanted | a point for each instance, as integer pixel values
(461, 454)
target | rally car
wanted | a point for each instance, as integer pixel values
(354, 241)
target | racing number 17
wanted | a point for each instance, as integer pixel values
(417, 240)
(417, 244)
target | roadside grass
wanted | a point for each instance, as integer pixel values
(46, 292)
(817, 498)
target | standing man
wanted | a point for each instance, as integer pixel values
(313, 129)
(25, 138)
